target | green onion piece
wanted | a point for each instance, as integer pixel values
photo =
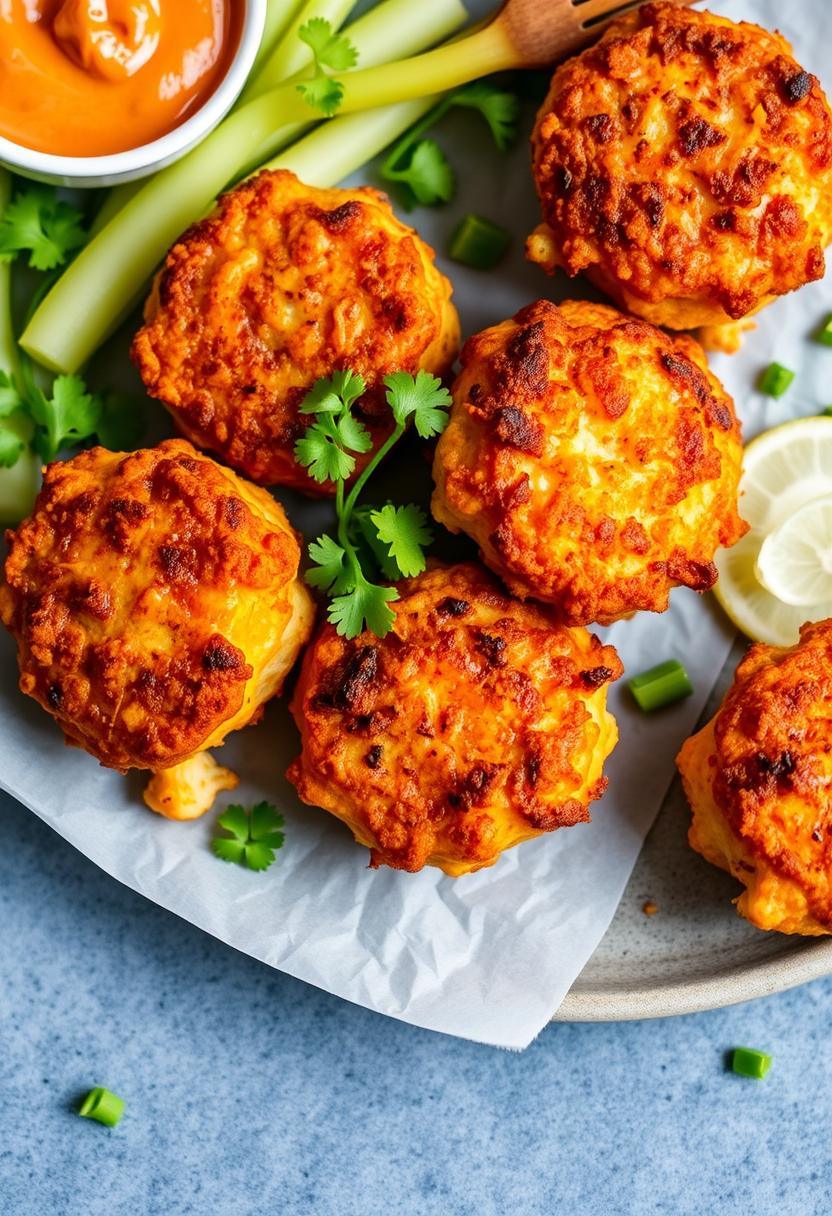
(775, 380)
(824, 334)
(102, 1105)
(748, 1062)
(660, 686)
(478, 243)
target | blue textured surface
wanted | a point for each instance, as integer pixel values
(248, 1092)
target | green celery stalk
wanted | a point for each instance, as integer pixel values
(279, 14)
(9, 358)
(102, 284)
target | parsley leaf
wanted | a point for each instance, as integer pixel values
(10, 398)
(419, 166)
(422, 397)
(37, 222)
(405, 531)
(254, 836)
(389, 540)
(70, 415)
(329, 50)
(366, 606)
(11, 443)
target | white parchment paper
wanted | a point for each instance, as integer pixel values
(489, 956)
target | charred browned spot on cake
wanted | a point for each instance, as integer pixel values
(514, 427)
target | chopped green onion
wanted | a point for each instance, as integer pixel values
(102, 1105)
(775, 380)
(824, 334)
(660, 686)
(748, 1062)
(478, 243)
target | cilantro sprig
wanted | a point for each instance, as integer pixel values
(369, 542)
(253, 836)
(68, 414)
(419, 167)
(37, 222)
(329, 50)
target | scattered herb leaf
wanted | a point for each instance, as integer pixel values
(254, 836)
(329, 50)
(40, 223)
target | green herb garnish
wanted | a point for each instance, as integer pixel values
(662, 685)
(39, 223)
(775, 380)
(329, 50)
(102, 1105)
(420, 168)
(254, 836)
(749, 1062)
(478, 243)
(388, 541)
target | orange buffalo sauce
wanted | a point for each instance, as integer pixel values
(91, 77)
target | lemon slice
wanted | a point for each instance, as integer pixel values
(795, 561)
(786, 470)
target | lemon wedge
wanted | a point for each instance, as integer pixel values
(780, 574)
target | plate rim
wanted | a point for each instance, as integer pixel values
(810, 960)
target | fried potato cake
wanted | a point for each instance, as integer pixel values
(155, 600)
(477, 723)
(594, 459)
(758, 780)
(281, 285)
(684, 163)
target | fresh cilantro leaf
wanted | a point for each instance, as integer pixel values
(329, 50)
(253, 838)
(70, 415)
(121, 424)
(323, 93)
(500, 109)
(365, 607)
(419, 166)
(11, 445)
(320, 452)
(10, 398)
(334, 394)
(329, 573)
(405, 531)
(428, 176)
(353, 434)
(365, 536)
(422, 397)
(37, 222)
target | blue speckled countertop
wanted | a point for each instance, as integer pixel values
(250, 1093)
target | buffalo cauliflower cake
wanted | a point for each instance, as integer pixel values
(684, 163)
(594, 459)
(758, 781)
(283, 284)
(478, 722)
(156, 605)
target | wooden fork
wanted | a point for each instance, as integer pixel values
(523, 34)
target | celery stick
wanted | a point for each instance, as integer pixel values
(291, 56)
(105, 280)
(336, 149)
(279, 13)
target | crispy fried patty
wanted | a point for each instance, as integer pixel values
(684, 163)
(281, 285)
(477, 723)
(758, 779)
(155, 602)
(594, 459)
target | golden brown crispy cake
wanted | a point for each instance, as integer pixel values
(758, 781)
(684, 163)
(156, 605)
(281, 285)
(477, 723)
(594, 459)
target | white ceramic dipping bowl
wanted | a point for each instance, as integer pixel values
(90, 171)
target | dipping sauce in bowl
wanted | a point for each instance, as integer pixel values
(95, 77)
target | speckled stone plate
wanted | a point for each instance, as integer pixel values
(693, 953)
